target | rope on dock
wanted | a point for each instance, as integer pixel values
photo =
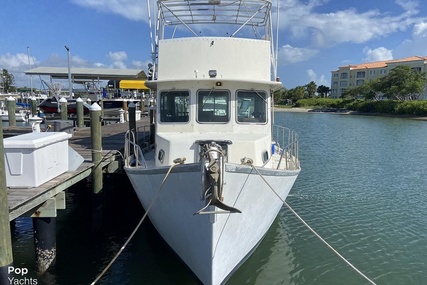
(313, 231)
(153, 201)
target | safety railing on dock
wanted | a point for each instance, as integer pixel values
(286, 144)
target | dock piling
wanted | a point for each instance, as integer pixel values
(6, 256)
(33, 106)
(132, 117)
(64, 109)
(80, 113)
(96, 136)
(44, 243)
(11, 109)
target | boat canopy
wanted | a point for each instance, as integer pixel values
(133, 84)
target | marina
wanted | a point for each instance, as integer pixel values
(40, 166)
(372, 213)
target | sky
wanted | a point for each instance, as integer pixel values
(315, 36)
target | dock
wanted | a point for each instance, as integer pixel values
(24, 200)
(96, 150)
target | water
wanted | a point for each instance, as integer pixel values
(362, 188)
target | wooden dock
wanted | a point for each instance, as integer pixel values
(50, 196)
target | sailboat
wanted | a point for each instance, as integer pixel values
(217, 174)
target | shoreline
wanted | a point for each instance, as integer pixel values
(307, 110)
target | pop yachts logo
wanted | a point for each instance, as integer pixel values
(20, 277)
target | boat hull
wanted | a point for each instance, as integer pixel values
(212, 245)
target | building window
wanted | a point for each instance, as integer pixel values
(417, 69)
(371, 72)
(383, 71)
(344, 75)
(343, 83)
(360, 74)
(335, 83)
(335, 74)
(359, 82)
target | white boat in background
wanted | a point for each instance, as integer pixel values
(20, 116)
(219, 171)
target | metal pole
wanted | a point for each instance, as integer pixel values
(152, 126)
(31, 77)
(6, 256)
(70, 86)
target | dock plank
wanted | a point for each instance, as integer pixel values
(24, 200)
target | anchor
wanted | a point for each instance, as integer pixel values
(213, 158)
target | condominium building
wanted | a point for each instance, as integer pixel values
(355, 75)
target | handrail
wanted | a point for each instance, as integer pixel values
(133, 155)
(286, 144)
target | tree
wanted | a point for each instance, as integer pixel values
(8, 81)
(279, 96)
(296, 93)
(311, 89)
(323, 91)
(403, 83)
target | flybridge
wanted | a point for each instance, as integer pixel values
(241, 19)
(247, 13)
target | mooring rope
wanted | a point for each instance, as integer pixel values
(153, 201)
(313, 231)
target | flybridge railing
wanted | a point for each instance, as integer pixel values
(285, 144)
(194, 15)
(240, 12)
(196, 18)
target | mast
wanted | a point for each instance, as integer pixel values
(31, 76)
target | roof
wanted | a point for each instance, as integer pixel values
(133, 84)
(88, 73)
(384, 63)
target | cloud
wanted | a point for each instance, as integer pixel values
(16, 64)
(408, 5)
(289, 54)
(377, 54)
(14, 61)
(318, 80)
(117, 55)
(344, 26)
(416, 45)
(130, 9)
(420, 30)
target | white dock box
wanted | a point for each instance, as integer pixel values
(35, 158)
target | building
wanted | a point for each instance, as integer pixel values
(355, 75)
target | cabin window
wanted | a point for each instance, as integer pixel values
(213, 106)
(174, 106)
(251, 106)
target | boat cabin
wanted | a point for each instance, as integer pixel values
(213, 110)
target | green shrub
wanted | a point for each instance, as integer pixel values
(412, 108)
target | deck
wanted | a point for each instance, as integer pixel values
(27, 200)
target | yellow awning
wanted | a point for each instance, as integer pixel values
(133, 84)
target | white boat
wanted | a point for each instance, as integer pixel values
(217, 175)
(20, 116)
